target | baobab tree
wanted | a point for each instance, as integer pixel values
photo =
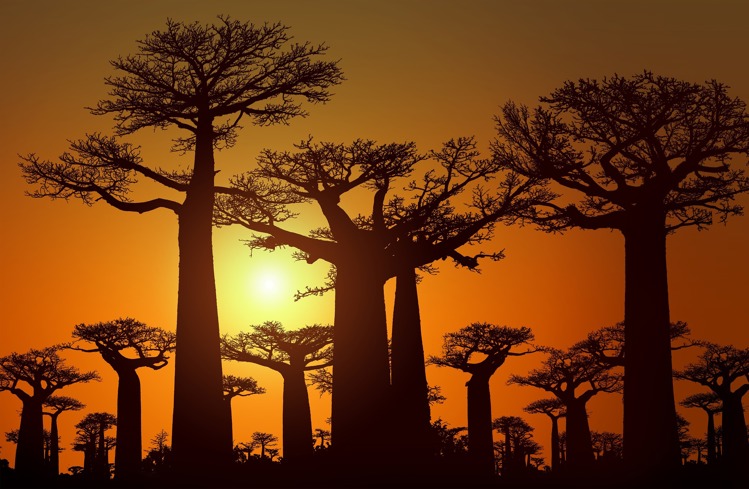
(607, 445)
(202, 80)
(517, 444)
(644, 155)
(403, 232)
(263, 440)
(480, 349)
(91, 439)
(292, 354)
(126, 345)
(554, 409)
(57, 406)
(562, 374)
(719, 368)
(711, 404)
(235, 386)
(33, 377)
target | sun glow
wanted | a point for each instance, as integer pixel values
(269, 284)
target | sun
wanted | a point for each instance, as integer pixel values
(269, 284)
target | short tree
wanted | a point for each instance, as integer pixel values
(127, 345)
(562, 374)
(57, 405)
(554, 409)
(480, 349)
(239, 387)
(710, 403)
(646, 155)
(91, 439)
(33, 377)
(292, 354)
(719, 368)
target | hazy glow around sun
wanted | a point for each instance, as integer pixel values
(269, 284)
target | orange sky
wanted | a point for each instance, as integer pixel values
(425, 71)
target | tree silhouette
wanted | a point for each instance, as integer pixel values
(648, 155)
(718, 368)
(127, 345)
(201, 79)
(554, 409)
(323, 436)
(480, 349)
(234, 386)
(518, 443)
(607, 446)
(292, 354)
(33, 377)
(58, 405)
(711, 404)
(409, 231)
(91, 439)
(562, 374)
(263, 440)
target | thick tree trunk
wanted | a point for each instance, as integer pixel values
(480, 442)
(201, 432)
(30, 449)
(127, 458)
(296, 418)
(579, 445)
(554, 443)
(101, 462)
(711, 454)
(735, 446)
(411, 413)
(54, 450)
(651, 442)
(361, 374)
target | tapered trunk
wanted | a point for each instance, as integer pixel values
(127, 458)
(651, 442)
(101, 462)
(711, 452)
(54, 442)
(30, 449)
(411, 413)
(297, 422)
(201, 432)
(579, 445)
(554, 443)
(361, 374)
(735, 446)
(480, 446)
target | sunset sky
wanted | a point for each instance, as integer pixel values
(422, 71)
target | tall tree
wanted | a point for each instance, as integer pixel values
(234, 386)
(33, 377)
(711, 404)
(719, 368)
(517, 445)
(201, 79)
(292, 354)
(404, 232)
(127, 345)
(554, 409)
(480, 349)
(644, 155)
(58, 405)
(562, 374)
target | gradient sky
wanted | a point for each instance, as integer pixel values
(423, 71)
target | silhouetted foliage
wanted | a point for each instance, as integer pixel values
(645, 155)
(33, 377)
(292, 354)
(480, 349)
(127, 345)
(562, 374)
(158, 458)
(518, 444)
(58, 405)
(607, 446)
(201, 79)
(719, 368)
